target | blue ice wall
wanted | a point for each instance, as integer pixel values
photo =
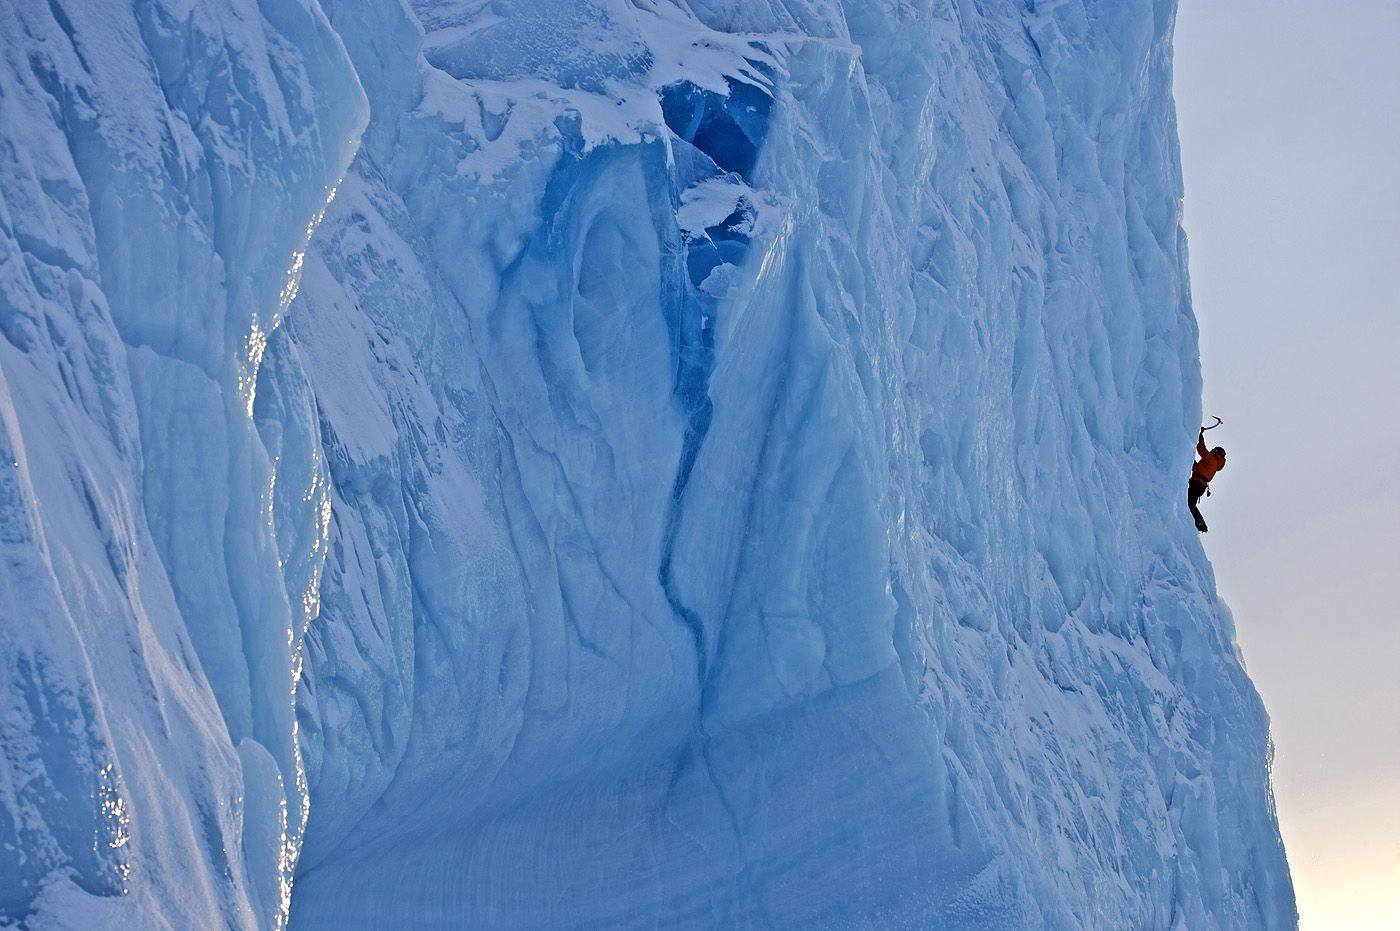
(797, 539)
(162, 168)
(710, 464)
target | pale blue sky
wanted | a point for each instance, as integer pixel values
(1290, 126)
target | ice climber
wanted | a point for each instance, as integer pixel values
(1211, 462)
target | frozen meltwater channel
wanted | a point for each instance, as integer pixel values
(720, 467)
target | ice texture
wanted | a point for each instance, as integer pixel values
(161, 479)
(717, 463)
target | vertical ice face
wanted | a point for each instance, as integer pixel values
(718, 462)
(162, 491)
(755, 436)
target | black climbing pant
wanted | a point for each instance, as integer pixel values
(1194, 490)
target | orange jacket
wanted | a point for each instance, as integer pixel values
(1210, 463)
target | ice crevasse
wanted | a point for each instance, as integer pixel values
(576, 463)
